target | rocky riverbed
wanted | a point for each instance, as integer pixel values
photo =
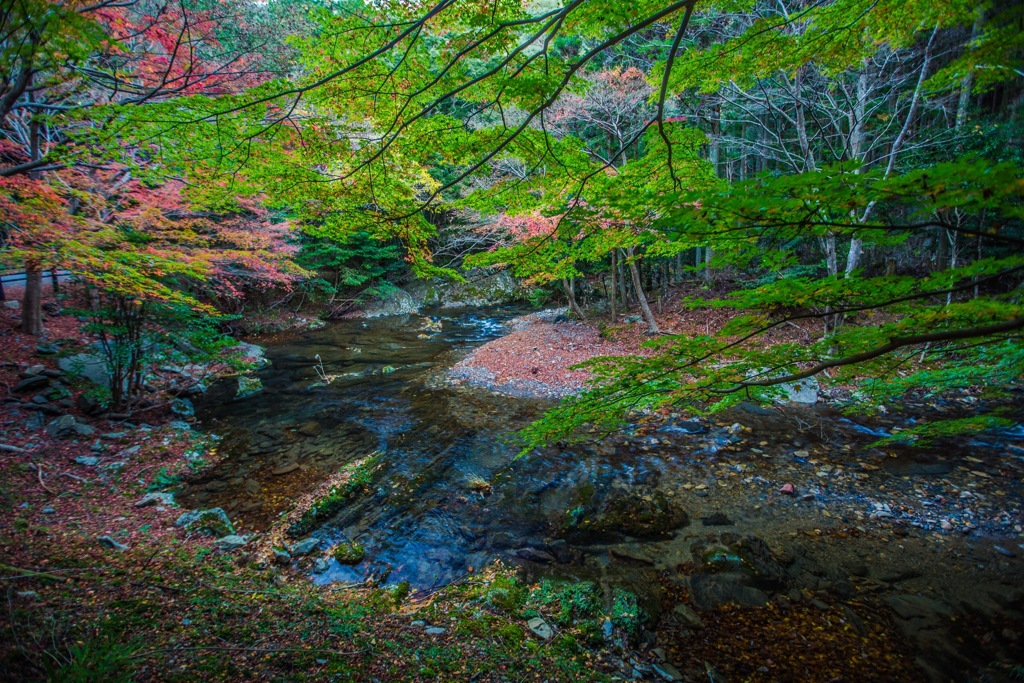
(784, 526)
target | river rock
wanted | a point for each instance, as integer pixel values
(910, 607)
(802, 392)
(687, 615)
(111, 543)
(481, 288)
(281, 556)
(61, 426)
(253, 353)
(535, 555)
(31, 383)
(229, 543)
(396, 302)
(309, 428)
(88, 366)
(667, 671)
(716, 519)
(182, 407)
(165, 499)
(627, 511)
(87, 404)
(320, 566)
(213, 521)
(248, 385)
(632, 555)
(87, 460)
(540, 628)
(750, 558)
(434, 631)
(285, 469)
(926, 623)
(504, 539)
(305, 546)
(82, 429)
(710, 591)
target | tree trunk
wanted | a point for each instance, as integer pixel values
(857, 152)
(831, 259)
(967, 83)
(942, 252)
(32, 303)
(615, 316)
(853, 256)
(709, 274)
(571, 296)
(624, 298)
(652, 325)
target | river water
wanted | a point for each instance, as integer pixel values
(447, 494)
(440, 446)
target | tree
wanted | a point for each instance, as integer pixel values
(840, 87)
(403, 111)
(64, 65)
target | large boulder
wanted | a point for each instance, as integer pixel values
(87, 365)
(710, 591)
(625, 511)
(248, 385)
(397, 302)
(252, 353)
(182, 407)
(229, 543)
(734, 569)
(31, 383)
(61, 426)
(803, 392)
(481, 288)
(748, 557)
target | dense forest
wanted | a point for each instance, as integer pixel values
(730, 206)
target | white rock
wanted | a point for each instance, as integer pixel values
(540, 628)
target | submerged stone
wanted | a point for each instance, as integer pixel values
(305, 546)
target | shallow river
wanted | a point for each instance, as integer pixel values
(787, 502)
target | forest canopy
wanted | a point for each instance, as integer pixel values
(853, 164)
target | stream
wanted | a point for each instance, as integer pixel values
(794, 501)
